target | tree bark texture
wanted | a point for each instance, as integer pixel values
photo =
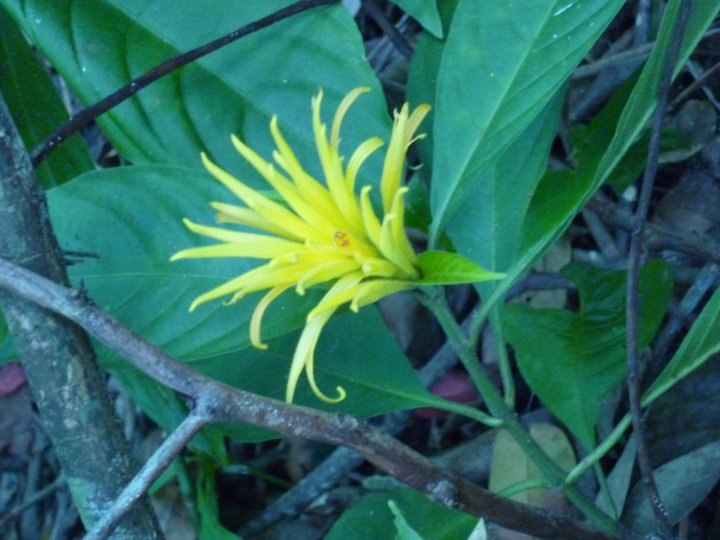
(57, 355)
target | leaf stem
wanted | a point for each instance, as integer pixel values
(435, 301)
(599, 451)
(506, 375)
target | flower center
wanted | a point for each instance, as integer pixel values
(341, 238)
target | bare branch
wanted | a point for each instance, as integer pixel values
(228, 404)
(151, 471)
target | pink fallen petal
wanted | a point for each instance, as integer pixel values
(454, 386)
(12, 377)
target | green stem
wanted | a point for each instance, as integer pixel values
(503, 361)
(525, 485)
(467, 411)
(599, 451)
(554, 475)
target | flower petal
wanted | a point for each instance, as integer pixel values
(391, 250)
(257, 279)
(312, 215)
(394, 159)
(269, 210)
(342, 109)
(372, 223)
(413, 123)
(261, 246)
(313, 191)
(304, 360)
(229, 213)
(358, 158)
(340, 293)
(371, 291)
(397, 227)
(325, 272)
(256, 320)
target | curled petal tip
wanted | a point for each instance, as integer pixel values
(342, 394)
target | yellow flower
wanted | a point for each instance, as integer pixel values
(319, 233)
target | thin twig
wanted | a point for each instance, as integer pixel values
(700, 81)
(233, 405)
(633, 292)
(658, 237)
(605, 241)
(392, 33)
(84, 117)
(32, 500)
(637, 54)
(151, 471)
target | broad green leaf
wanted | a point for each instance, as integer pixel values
(683, 483)
(446, 268)
(699, 345)
(98, 46)
(562, 194)
(572, 360)
(501, 66)
(372, 518)
(488, 227)
(130, 219)
(425, 12)
(35, 106)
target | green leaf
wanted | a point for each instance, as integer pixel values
(572, 360)
(446, 268)
(372, 518)
(503, 64)
(130, 218)
(562, 194)
(36, 108)
(699, 345)
(488, 229)
(98, 46)
(425, 12)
